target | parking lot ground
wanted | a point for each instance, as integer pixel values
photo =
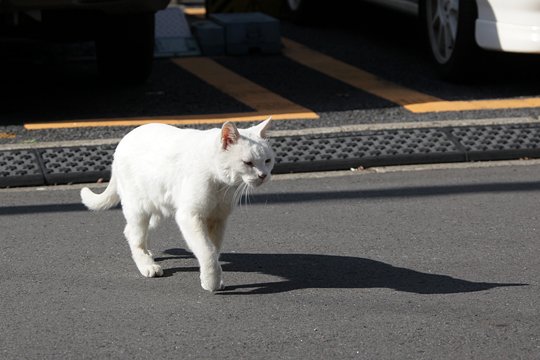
(366, 66)
(265, 102)
(424, 264)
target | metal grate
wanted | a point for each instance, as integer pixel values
(299, 153)
(19, 168)
(309, 153)
(77, 164)
(499, 142)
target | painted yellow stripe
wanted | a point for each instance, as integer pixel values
(492, 104)
(194, 11)
(263, 101)
(240, 88)
(411, 100)
(354, 76)
(171, 120)
(4, 135)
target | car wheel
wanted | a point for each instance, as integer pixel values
(125, 47)
(449, 25)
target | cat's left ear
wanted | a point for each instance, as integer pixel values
(229, 135)
(261, 128)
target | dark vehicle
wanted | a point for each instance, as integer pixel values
(123, 30)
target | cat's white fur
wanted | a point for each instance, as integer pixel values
(159, 170)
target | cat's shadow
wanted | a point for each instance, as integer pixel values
(303, 271)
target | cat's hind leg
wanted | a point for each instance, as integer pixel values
(136, 232)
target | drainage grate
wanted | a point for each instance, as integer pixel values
(19, 168)
(499, 142)
(77, 164)
(343, 151)
(299, 153)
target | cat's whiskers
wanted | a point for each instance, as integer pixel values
(249, 191)
(237, 197)
(242, 194)
(246, 194)
(225, 190)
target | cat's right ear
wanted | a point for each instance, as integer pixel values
(262, 128)
(229, 135)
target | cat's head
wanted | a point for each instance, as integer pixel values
(245, 154)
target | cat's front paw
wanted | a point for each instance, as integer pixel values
(212, 282)
(151, 270)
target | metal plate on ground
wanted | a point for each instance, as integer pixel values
(77, 164)
(323, 152)
(499, 142)
(344, 151)
(20, 168)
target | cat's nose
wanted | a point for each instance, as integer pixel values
(262, 176)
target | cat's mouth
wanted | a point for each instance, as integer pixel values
(255, 182)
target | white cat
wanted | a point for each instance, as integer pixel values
(159, 170)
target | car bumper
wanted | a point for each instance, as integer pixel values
(512, 26)
(110, 6)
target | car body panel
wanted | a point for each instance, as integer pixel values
(502, 25)
(512, 26)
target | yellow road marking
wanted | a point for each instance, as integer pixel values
(263, 101)
(4, 135)
(171, 120)
(492, 104)
(354, 76)
(411, 100)
(240, 88)
(194, 11)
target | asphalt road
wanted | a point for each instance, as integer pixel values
(436, 264)
(42, 83)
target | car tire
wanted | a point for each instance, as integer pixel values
(125, 47)
(450, 27)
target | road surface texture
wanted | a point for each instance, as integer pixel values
(431, 264)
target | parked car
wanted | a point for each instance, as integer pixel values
(455, 29)
(122, 29)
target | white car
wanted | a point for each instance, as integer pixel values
(456, 28)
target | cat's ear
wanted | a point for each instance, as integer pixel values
(229, 135)
(261, 128)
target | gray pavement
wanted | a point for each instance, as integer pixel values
(433, 264)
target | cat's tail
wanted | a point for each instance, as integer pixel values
(106, 200)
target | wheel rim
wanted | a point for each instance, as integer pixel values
(294, 5)
(442, 22)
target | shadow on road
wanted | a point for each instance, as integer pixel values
(303, 271)
(398, 192)
(312, 196)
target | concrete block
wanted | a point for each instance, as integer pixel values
(247, 32)
(211, 37)
(173, 37)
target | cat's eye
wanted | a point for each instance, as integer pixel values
(268, 161)
(248, 163)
